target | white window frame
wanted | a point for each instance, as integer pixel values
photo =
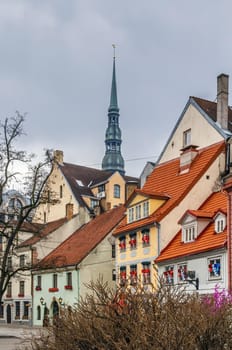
(220, 223)
(146, 209)
(214, 259)
(138, 212)
(189, 232)
(131, 214)
(117, 191)
(187, 138)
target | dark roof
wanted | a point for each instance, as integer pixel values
(81, 179)
(75, 248)
(210, 108)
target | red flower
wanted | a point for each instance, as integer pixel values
(68, 287)
(52, 290)
(38, 288)
(20, 295)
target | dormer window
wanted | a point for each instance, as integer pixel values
(189, 233)
(220, 223)
(187, 138)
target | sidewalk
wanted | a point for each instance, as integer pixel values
(19, 331)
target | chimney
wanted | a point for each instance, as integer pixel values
(186, 158)
(58, 156)
(69, 211)
(222, 100)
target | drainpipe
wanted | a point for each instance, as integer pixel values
(78, 281)
(157, 225)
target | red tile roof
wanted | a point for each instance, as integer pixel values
(166, 179)
(74, 249)
(41, 230)
(206, 241)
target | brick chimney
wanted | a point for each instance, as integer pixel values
(222, 100)
(58, 156)
(69, 211)
(186, 158)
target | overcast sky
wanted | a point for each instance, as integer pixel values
(56, 66)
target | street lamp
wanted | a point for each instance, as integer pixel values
(42, 302)
(61, 301)
(192, 279)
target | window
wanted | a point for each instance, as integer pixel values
(169, 274)
(22, 260)
(69, 278)
(122, 275)
(138, 212)
(146, 237)
(113, 275)
(122, 243)
(187, 138)
(133, 240)
(17, 309)
(220, 223)
(38, 312)
(116, 191)
(61, 191)
(113, 255)
(133, 274)
(189, 233)
(146, 273)
(145, 209)
(25, 310)
(1, 310)
(55, 280)
(45, 217)
(182, 272)
(14, 203)
(131, 215)
(9, 263)
(9, 290)
(101, 188)
(21, 288)
(93, 203)
(214, 268)
(39, 283)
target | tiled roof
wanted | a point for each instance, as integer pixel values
(210, 108)
(81, 179)
(166, 179)
(206, 241)
(198, 214)
(74, 249)
(41, 231)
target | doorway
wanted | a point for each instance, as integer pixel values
(8, 314)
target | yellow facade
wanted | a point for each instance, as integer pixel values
(137, 249)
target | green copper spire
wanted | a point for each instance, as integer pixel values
(113, 160)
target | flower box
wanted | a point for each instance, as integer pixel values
(68, 287)
(20, 295)
(38, 288)
(146, 271)
(53, 290)
(8, 296)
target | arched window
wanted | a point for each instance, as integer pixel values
(116, 191)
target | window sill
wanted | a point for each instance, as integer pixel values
(20, 295)
(69, 287)
(53, 290)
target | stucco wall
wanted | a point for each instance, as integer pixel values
(202, 134)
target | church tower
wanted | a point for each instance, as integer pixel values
(113, 160)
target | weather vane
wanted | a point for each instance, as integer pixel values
(114, 49)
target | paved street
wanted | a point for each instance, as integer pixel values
(12, 337)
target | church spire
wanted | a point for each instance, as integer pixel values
(113, 160)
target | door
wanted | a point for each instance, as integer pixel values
(8, 314)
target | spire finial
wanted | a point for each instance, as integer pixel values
(114, 46)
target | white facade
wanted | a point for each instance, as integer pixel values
(200, 265)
